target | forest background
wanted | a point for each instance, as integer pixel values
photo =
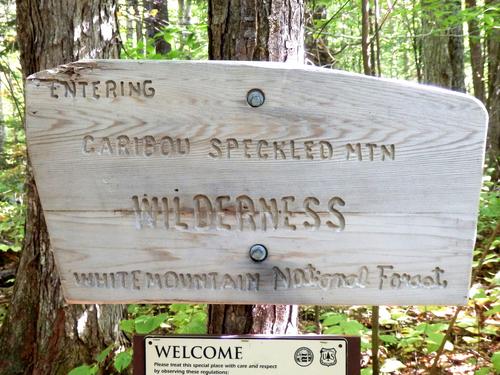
(449, 43)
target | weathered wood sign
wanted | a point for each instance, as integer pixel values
(156, 178)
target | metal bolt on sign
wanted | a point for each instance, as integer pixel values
(258, 253)
(255, 98)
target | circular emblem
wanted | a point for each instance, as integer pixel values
(303, 356)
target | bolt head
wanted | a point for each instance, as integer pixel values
(258, 253)
(255, 98)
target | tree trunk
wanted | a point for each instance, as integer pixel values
(377, 36)
(372, 31)
(255, 30)
(156, 19)
(183, 19)
(476, 54)
(493, 102)
(443, 48)
(365, 36)
(416, 41)
(138, 24)
(41, 334)
(456, 48)
(184, 12)
(316, 45)
(130, 25)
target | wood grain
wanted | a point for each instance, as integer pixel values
(365, 174)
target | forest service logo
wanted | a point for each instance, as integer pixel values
(328, 356)
(303, 356)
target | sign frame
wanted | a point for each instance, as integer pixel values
(353, 347)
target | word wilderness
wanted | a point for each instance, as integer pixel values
(247, 213)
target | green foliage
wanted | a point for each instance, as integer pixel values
(123, 360)
(84, 370)
(178, 318)
(495, 360)
(189, 319)
(145, 324)
(151, 319)
(101, 357)
(12, 156)
(187, 40)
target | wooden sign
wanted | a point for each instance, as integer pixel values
(156, 179)
(247, 355)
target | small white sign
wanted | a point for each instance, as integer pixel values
(237, 356)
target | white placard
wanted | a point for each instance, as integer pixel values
(236, 356)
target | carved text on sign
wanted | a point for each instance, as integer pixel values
(250, 213)
(101, 89)
(381, 277)
(231, 148)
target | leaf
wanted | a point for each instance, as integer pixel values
(133, 309)
(409, 342)
(84, 370)
(495, 360)
(198, 324)
(391, 365)
(104, 354)
(334, 319)
(128, 325)
(176, 307)
(366, 371)
(310, 328)
(333, 330)
(425, 327)
(483, 371)
(147, 323)
(434, 341)
(470, 340)
(390, 339)
(4, 247)
(352, 327)
(122, 360)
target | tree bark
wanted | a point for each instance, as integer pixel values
(268, 31)
(365, 36)
(377, 35)
(256, 30)
(435, 57)
(415, 29)
(476, 53)
(184, 12)
(443, 48)
(493, 102)
(130, 25)
(316, 45)
(456, 48)
(156, 19)
(138, 24)
(41, 334)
